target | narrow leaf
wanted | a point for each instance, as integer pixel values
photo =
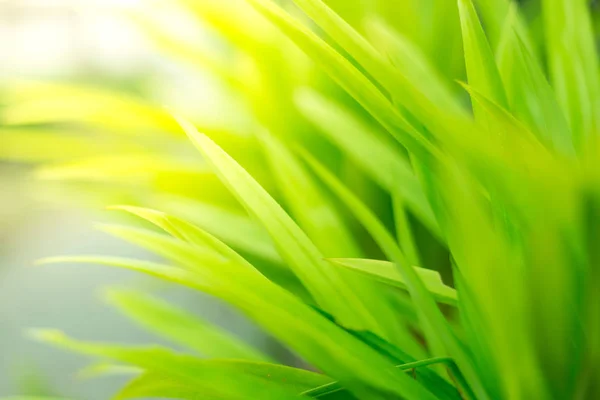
(236, 229)
(313, 211)
(225, 379)
(530, 96)
(436, 329)
(482, 71)
(317, 339)
(379, 159)
(157, 385)
(573, 65)
(386, 272)
(182, 327)
(328, 288)
(348, 77)
(318, 217)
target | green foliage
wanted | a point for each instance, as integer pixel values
(318, 216)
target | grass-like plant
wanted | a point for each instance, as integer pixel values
(475, 124)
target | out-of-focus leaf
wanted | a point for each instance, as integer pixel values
(212, 218)
(349, 77)
(386, 272)
(105, 368)
(185, 231)
(404, 231)
(182, 327)
(489, 272)
(493, 14)
(510, 132)
(573, 66)
(228, 379)
(296, 324)
(314, 212)
(530, 96)
(236, 229)
(45, 145)
(43, 103)
(157, 385)
(384, 164)
(412, 102)
(120, 168)
(414, 65)
(482, 71)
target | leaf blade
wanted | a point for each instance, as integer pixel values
(293, 244)
(386, 272)
(482, 71)
(181, 327)
(378, 159)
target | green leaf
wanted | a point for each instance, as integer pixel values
(493, 15)
(482, 71)
(357, 47)
(44, 103)
(509, 132)
(573, 65)
(328, 288)
(443, 22)
(314, 213)
(516, 147)
(34, 145)
(120, 168)
(398, 121)
(206, 261)
(181, 327)
(386, 272)
(490, 270)
(318, 217)
(441, 387)
(298, 325)
(410, 60)
(329, 389)
(106, 368)
(530, 96)
(163, 271)
(236, 229)
(186, 231)
(477, 337)
(158, 385)
(348, 77)
(379, 159)
(436, 329)
(235, 380)
(404, 231)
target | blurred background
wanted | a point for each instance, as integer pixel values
(78, 41)
(114, 142)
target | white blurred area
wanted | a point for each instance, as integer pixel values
(59, 39)
(62, 37)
